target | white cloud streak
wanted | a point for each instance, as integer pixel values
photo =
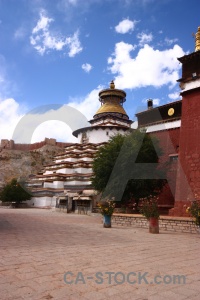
(144, 38)
(170, 41)
(43, 40)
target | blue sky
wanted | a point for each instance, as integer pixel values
(63, 52)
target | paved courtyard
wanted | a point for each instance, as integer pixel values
(49, 255)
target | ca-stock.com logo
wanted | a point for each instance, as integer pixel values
(28, 123)
(132, 278)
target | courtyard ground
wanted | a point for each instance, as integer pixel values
(50, 255)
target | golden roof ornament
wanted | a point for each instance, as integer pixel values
(112, 85)
(197, 40)
(111, 100)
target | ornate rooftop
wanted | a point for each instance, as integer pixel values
(111, 100)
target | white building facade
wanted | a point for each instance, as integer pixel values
(66, 182)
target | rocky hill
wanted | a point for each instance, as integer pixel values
(17, 163)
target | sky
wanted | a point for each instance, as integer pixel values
(56, 54)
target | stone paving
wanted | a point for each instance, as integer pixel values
(38, 247)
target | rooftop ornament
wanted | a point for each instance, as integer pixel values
(112, 85)
(197, 40)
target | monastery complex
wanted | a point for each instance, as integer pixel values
(67, 180)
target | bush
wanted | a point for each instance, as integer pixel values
(14, 192)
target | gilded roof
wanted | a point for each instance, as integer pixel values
(112, 93)
(109, 107)
(111, 99)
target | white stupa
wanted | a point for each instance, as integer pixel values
(66, 182)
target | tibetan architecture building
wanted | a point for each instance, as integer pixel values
(176, 125)
(67, 181)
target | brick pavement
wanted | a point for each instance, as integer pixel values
(38, 247)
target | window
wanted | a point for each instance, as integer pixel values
(84, 138)
(173, 157)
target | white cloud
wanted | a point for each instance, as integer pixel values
(144, 38)
(10, 114)
(52, 122)
(74, 45)
(121, 56)
(156, 102)
(86, 67)
(125, 26)
(53, 129)
(42, 24)
(149, 68)
(73, 2)
(175, 96)
(170, 41)
(89, 104)
(43, 40)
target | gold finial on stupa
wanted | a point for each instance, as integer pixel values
(197, 40)
(112, 85)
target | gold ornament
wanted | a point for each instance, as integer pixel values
(170, 112)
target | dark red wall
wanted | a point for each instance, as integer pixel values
(169, 142)
(188, 174)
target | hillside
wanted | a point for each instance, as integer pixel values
(17, 163)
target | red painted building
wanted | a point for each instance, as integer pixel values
(177, 126)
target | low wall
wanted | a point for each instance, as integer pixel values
(174, 224)
(11, 145)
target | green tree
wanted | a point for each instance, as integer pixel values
(14, 192)
(127, 167)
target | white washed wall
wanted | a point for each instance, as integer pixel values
(100, 135)
(54, 184)
(42, 201)
(65, 159)
(83, 170)
(65, 171)
(77, 182)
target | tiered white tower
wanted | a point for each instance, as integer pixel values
(67, 180)
(109, 120)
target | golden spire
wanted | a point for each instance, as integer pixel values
(197, 40)
(112, 85)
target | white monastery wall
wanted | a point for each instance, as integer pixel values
(42, 201)
(100, 135)
(54, 184)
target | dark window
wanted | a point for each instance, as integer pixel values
(173, 157)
